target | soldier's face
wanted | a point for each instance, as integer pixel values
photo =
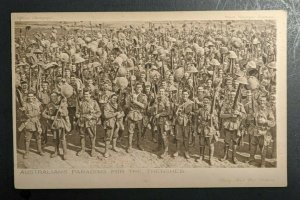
(90, 82)
(209, 83)
(206, 102)
(114, 99)
(139, 88)
(24, 86)
(185, 96)
(147, 89)
(87, 96)
(68, 73)
(200, 90)
(105, 87)
(161, 92)
(74, 68)
(54, 98)
(186, 75)
(45, 86)
(232, 96)
(262, 101)
(72, 80)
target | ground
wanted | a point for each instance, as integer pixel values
(136, 159)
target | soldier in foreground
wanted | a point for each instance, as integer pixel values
(183, 124)
(232, 116)
(112, 118)
(264, 121)
(56, 113)
(161, 109)
(207, 125)
(87, 113)
(31, 125)
(137, 105)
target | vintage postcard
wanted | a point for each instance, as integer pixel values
(149, 99)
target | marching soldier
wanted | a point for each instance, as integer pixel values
(264, 121)
(161, 109)
(137, 105)
(87, 113)
(31, 125)
(113, 118)
(232, 118)
(207, 126)
(56, 113)
(183, 124)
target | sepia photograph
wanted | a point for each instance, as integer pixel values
(149, 95)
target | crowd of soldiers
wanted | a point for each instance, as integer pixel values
(209, 81)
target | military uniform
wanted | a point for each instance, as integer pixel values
(72, 103)
(103, 98)
(58, 122)
(43, 97)
(264, 121)
(231, 125)
(112, 124)
(162, 107)
(135, 118)
(183, 124)
(32, 126)
(207, 127)
(87, 113)
(148, 117)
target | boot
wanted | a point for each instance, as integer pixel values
(93, 151)
(26, 155)
(55, 153)
(211, 154)
(114, 145)
(82, 151)
(225, 153)
(106, 154)
(177, 149)
(187, 155)
(65, 150)
(39, 147)
(234, 160)
(129, 148)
